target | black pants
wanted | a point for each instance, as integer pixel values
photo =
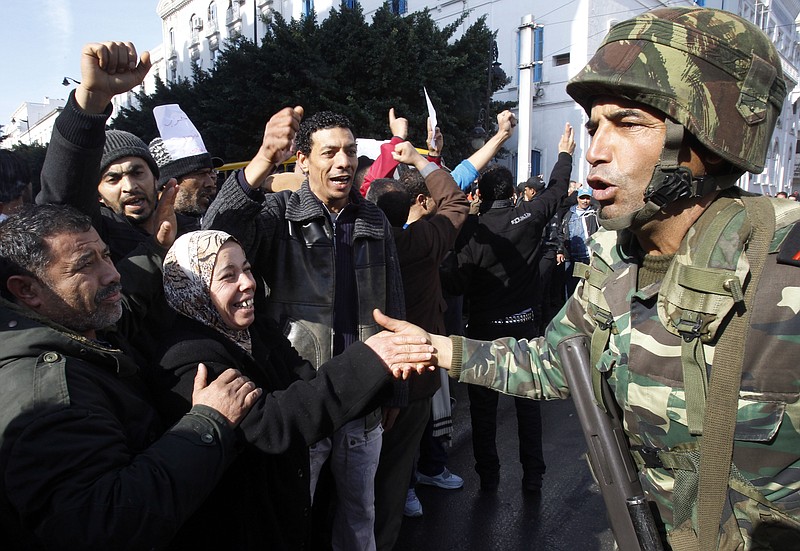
(432, 453)
(483, 411)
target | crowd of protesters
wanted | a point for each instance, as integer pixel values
(239, 319)
(190, 364)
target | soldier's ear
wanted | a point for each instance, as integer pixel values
(28, 290)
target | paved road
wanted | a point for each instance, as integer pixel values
(568, 515)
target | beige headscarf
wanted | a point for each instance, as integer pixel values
(188, 268)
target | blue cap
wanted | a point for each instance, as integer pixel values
(585, 190)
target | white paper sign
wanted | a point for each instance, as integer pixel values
(179, 135)
(432, 117)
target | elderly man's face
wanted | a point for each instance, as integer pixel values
(128, 187)
(196, 190)
(80, 287)
(331, 165)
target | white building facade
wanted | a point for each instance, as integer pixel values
(32, 123)
(565, 35)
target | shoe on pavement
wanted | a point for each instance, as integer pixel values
(413, 507)
(532, 482)
(445, 480)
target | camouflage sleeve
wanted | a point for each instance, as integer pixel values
(522, 367)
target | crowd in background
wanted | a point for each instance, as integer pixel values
(259, 361)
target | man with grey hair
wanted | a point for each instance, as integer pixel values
(81, 446)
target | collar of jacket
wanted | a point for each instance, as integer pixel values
(303, 206)
(498, 204)
(47, 334)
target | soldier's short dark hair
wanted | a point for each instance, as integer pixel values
(23, 249)
(318, 121)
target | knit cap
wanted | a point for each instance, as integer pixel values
(180, 149)
(121, 144)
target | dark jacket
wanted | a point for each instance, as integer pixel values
(289, 240)
(71, 173)
(263, 500)
(497, 268)
(70, 176)
(421, 247)
(84, 459)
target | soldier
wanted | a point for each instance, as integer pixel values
(690, 300)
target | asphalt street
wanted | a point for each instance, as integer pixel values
(568, 515)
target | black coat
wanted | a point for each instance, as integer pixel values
(498, 266)
(263, 500)
(84, 459)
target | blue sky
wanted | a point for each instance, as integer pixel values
(41, 40)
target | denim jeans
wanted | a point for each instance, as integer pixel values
(354, 453)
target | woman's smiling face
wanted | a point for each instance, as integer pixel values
(233, 287)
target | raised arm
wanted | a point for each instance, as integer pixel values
(451, 203)
(71, 168)
(108, 69)
(466, 172)
(276, 146)
(385, 164)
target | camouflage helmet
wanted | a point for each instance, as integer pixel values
(711, 71)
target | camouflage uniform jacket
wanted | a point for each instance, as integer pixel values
(643, 359)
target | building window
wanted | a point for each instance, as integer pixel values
(196, 25)
(399, 7)
(538, 46)
(308, 7)
(233, 13)
(762, 16)
(350, 3)
(536, 162)
(212, 17)
(561, 59)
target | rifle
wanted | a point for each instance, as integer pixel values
(609, 457)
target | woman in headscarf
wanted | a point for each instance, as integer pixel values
(263, 500)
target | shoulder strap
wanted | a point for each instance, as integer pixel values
(716, 449)
(701, 287)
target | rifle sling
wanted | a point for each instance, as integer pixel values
(719, 423)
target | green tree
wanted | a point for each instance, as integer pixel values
(344, 64)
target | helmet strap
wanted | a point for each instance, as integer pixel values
(670, 181)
